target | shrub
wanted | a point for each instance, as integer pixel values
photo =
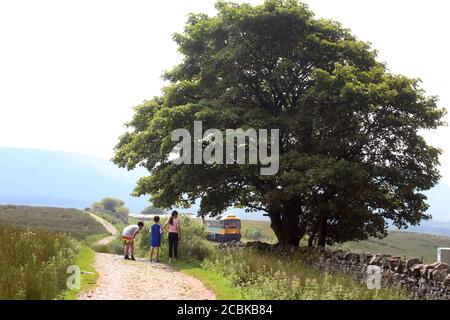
(123, 212)
(114, 247)
(252, 233)
(108, 204)
(112, 206)
(33, 264)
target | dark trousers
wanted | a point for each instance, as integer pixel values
(173, 245)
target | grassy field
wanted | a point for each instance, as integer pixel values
(267, 234)
(37, 246)
(256, 276)
(77, 224)
(33, 265)
(401, 244)
(221, 286)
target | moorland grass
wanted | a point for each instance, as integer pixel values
(33, 265)
(221, 286)
(267, 276)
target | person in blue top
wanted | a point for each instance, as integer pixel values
(155, 231)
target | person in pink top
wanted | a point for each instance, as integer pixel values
(172, 226)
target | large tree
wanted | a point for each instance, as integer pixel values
(351, 153)
(109, 204)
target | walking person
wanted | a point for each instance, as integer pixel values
(172, 226)
(155, 231)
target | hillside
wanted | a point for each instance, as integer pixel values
(402, 244)
(73, 222)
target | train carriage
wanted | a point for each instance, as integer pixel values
(224, 230)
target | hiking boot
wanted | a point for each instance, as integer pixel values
(132, 258)
(127, 258)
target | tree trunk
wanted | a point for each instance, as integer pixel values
(311, 239)
(276, 224)
(323, 231)
(285, 222)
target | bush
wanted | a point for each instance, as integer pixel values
(114, 247)
(33, 265)
(192, 246)
(112, 206)
(252, 233)
(108, 204)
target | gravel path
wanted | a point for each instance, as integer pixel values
(109, 227)
(141, 280)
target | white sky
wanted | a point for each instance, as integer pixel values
(70, 71)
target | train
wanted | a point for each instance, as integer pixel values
(226, 229)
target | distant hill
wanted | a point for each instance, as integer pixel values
(62, 179)
(432, 227)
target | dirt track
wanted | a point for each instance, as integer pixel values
(140, 280)
(109, 227)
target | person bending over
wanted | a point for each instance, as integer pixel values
(128, 235)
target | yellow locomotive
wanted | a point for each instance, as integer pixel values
(224, 230)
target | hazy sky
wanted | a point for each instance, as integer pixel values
(70, 71)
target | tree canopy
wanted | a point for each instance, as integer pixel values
(112, 205)
(351, 154)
